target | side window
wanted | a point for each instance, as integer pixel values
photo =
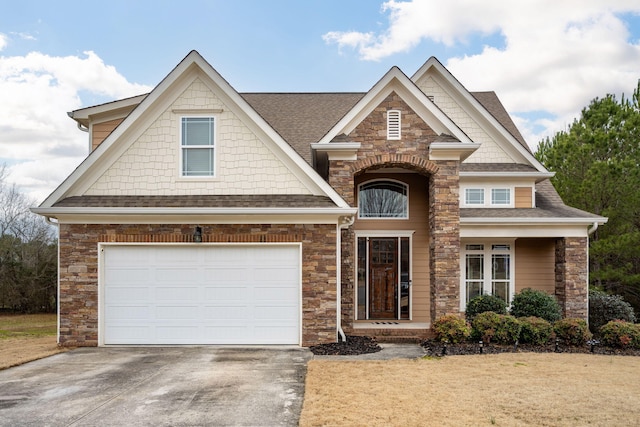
(383, 199)
(197, 146)
(474, 196)
(393, 124)
(500, 196)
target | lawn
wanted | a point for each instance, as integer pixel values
(26, 337)
(519, 389)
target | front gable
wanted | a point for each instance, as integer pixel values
(498, 145)
(243, 163)
(142, 155)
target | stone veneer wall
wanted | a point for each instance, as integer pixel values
(410, 153)
(79, 269)
(572, 276)
(444, 220)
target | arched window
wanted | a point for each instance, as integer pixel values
(383, 199)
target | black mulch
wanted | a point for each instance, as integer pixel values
(353, 346)
(362, 345)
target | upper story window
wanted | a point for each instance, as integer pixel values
(474, 196)
(393, 124)
(500, 196)
(383, 199)
(197, 143)
(487, 197)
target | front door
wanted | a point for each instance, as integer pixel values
(383, 278)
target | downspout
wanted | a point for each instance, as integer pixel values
(592, 229)
(56, 224)
(343, 223)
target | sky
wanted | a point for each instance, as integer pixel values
(545, 59)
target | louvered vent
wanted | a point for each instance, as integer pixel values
(393, 124)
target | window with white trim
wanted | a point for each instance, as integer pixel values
(487, 269)
(383, 199)
(500, 196)
(474, 196)
(393, 124)
(197, 145)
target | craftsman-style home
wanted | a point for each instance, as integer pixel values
(207, 216)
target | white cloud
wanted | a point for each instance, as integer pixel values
(3, 41)
(555, 56)
(40, 143)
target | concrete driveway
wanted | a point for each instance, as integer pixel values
(164, 386)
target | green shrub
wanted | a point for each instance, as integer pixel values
(497, 328)
(572, 331)
(484, 303)
(535, 330)
(451, 328)
(531, 302)
(618, 333)
(604, 307)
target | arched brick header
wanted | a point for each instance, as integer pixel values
(405, 161)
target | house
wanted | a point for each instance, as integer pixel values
(207, 216)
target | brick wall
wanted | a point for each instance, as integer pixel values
(572, 286)
(79, 270)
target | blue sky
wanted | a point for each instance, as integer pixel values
(545, 59)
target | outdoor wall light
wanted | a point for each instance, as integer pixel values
(197, 235)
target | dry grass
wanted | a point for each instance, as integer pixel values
(522, 389)
(27, 337)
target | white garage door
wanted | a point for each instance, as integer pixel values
(202, 294)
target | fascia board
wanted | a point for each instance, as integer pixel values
(533, 221)
(457, 91)
(97, 110)
(197, 215)
(394, 80)
(538, 176)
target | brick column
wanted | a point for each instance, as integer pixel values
(444, 247)
(572, 276)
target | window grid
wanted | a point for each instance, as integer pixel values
(197, 145)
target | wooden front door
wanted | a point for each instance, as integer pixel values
(383, 278)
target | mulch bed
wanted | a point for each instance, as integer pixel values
(356, 345)
(353, 346)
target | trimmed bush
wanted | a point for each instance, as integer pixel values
(604, 308)
(572, 331)
(496, 328)
(535, 330)
(531, 302)
(484, 303)
(451, 328)
(618, 333)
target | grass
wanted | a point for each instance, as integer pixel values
(27, 325)
(27, 337)
(517, 389)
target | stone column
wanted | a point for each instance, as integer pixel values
(444, 247)
(572, 276)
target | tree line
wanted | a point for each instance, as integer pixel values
(28, 254)
(597, 165)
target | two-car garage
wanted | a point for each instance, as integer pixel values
(163, 294)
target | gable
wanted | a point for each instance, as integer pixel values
(490, 151)
(141, 155)
(243, 163)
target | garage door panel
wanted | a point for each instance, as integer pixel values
(181, 293)
(201, 294)
(124, 294)
(225, 274)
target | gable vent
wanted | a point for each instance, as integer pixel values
(393, 124)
